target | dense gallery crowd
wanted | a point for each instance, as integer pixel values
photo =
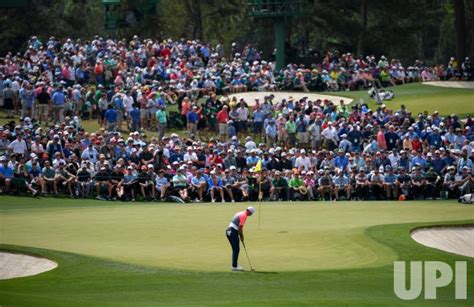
(259, 150)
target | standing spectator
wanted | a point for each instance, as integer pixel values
(44, 105)
(8, 100)
(59, 100)
(111, 117)
(222, 119)
(192, 121)
(162, 122)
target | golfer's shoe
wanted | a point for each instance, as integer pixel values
(238, 269)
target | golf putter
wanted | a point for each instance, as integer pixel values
(248, 258)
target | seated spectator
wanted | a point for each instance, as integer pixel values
(342, 185)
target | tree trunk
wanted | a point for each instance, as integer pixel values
(460, 26)
(194, 11)
(363, 30)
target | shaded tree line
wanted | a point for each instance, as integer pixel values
(432, 30)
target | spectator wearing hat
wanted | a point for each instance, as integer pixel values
(326, 186)
(18, 146)
(467, 183)
(279, 189)
(464, 162)
(404, 183)
(451, 183)
(129, 184)
(215, 185)
(6, 175)
(376, 183)
(198, 185)
(362, 185)
(180, 184)
(192, 121)
(290, 127)
(342, 186)
(58, 101)
(222, 119)
(116, 183)
(310, 184)
(257, 115)
(83, 181)
(433, 182)
(390, 183)
(271, 133)
(102, 179)
(111, 118)
(418, 183)
(49, 176)
(146, 183)
(302, 126)
(295, 184)
(134, 118)
(162, 121)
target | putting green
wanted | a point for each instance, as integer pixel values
(293, 237)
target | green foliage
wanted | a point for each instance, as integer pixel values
(44, 18)
(404, 29)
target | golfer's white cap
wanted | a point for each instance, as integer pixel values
(251, 209)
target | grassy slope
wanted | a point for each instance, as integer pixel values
(301, 237)
(418, 98)
(82, 280)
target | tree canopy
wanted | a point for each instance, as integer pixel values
(430, 30)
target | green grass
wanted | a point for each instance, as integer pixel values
(149, 253)
(419, 98)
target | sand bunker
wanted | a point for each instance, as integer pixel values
(453, 84)
(20, 265)
(457, 240)
(251, 96)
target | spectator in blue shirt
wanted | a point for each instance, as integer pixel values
(111, 118)
(419, 160)
(135, 118)
(271, 133)
(214, 184)
(341, 161)
(434, 139)
(257, 121)
(390, 183)
(192, 121)
(6, 174)
(437, 163)
(59, 99)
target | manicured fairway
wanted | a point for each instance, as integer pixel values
(150, 253)
(420, 97)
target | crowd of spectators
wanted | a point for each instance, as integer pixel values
(289, 149)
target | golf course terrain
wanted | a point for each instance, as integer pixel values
(309, 253)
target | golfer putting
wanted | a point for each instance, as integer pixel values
(234, 232)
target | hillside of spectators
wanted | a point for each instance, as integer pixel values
(273, 150)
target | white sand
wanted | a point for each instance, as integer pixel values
(251, 96)
(19, 265)
(454, 84)
(457, 240)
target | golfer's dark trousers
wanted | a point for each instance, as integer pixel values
(233, 237)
